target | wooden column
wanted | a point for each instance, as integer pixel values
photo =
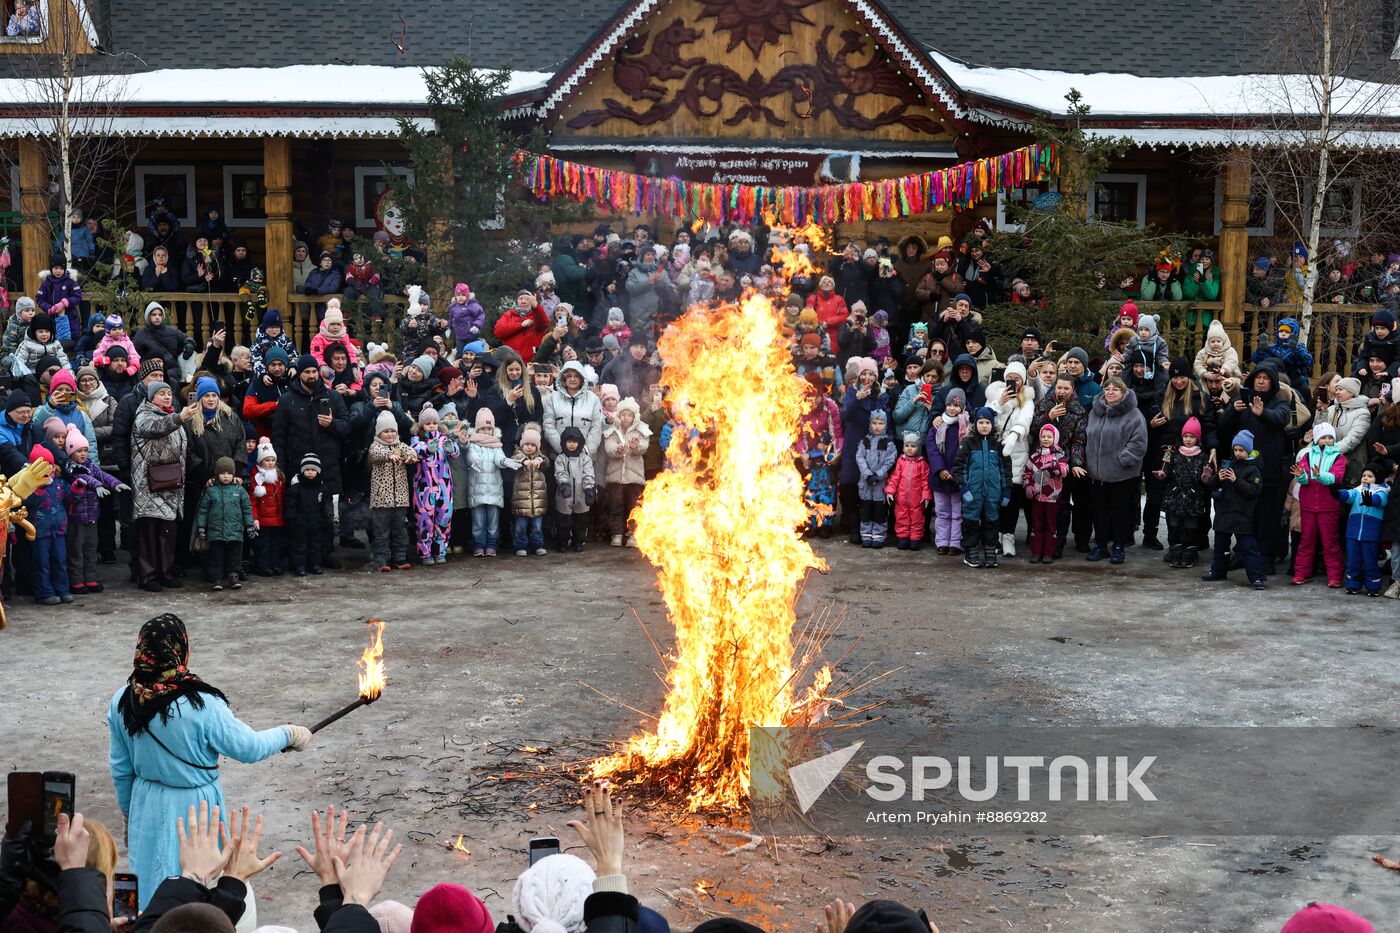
(277, 235)
(34, 213)
(1234, 243)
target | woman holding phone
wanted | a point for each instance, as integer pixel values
(167, 729)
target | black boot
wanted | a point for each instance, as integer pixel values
(1174, 555)
(1188, 558)
(972, 556)
(989, 555)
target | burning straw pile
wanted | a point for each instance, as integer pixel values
(720, 525)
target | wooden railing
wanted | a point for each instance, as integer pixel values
(199, 315)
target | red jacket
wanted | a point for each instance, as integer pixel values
(267, 509)
(512, 332)
(908, 481)
(260, 413)
(831, 312)
(362, 275)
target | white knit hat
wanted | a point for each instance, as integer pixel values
(549, 896)
(265, 449)
(386, 422)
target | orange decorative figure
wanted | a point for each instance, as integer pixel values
(13, 492)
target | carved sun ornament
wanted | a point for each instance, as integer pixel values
(756, 23)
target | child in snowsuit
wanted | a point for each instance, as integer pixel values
(529, 496)
(306, 514)
(1367, 503)
(1218, 353)
(485, 489)
(575, 491)
(465, 315)
(944, 439)
(1186, 471)
(1320, 467)
(389, 495)
(432, 487)
(984, 481)
(460, 535)
(224, 518)
(270, 334)
(617, 326)
(625, 443)
(1043, 480)
(48, 512)
(907, 492)
(39, 341)
(875, 456)
(1296, 360)
(116, 336)
(268, 487)
(1236, 499)
(819, 488)
(89, 485)
(333, 331)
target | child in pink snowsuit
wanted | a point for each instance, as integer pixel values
(116, 336)
(1320, 468)
(432, 487)
(908, 492)
(1043, 481)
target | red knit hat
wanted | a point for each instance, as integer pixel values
(1193, 428)
(1129, 310)
(40, 452)
(451, 908)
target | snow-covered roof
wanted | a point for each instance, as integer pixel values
(1118, 95)
(287, 87)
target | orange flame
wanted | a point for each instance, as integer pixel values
(371, 663)
(720, 524)
(459, 847)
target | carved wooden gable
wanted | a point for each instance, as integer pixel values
(786, 70)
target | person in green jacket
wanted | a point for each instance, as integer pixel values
(225, 517)
(570, 270)
(1158, 285)
(1202, 283)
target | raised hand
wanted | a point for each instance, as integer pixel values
(838, 914)
(200, 858)
(328, 844)
(243, 842)
(367, 864)
(602, 831)
(70, 848)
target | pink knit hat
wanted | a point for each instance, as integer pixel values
(1326, 918)
(63, 378)
(74, 441)
(451, 908)
(530, 435)
(392, 916)
(484, 418)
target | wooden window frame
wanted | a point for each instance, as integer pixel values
(1139, 180)
(143, 208)
(231, 218)
(8, 9)
(364, 213)
(1270, 208)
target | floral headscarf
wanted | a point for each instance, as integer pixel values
(160, 675)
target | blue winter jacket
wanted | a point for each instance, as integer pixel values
(1364, 521)
(48, 508)
(1296, 360)
(984, 477)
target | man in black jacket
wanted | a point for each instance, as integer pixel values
(312, 419)
(1264, 412)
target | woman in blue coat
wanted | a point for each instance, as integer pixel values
(863, 396)
(167, 731)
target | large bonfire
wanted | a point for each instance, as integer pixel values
(721, 527)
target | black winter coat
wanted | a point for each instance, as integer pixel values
(222, 437)
(1072, 425)
(852, 281)
(1236, 501)
(306, 504)
(334, 915)
(122, 420)
(228, 895)
(1185, 494)
(296, 432)
(1269, 429)
(82, 901)
(162, 342)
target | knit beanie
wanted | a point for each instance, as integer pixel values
(271, 318)
(962, 296)
(957, 395)
(608, 391)
(309, 459)
(307, 361)
(1054, 433)
(1244, 439)
(265, 449)
(16, 400)
(912, 437)
(880, 416)
(549, 895)
(484, 418)
(113, 320)
(223, 465)
(63, 378)
(1129, 310)
(531, 435)
(1351, 384)
(1326, 918)
(616, 317)
(88, 371)
(448, 373)
(610, 342)
(1322, 430)
(385, 422)
(424, 364)
(1216, 329)
(333, 316)
(204, 385)
(392, 917)
(153, 387)
(150, 365)
(117, 352)
(1080, 354)
(451, 908)
(429, 416)
(52, 425)
(985, 413)
(1193, 428)
(275, 354)
(40, 452)
(462, 291)
(74, 441)
(885, 917)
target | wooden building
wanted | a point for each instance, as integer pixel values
(286, 118)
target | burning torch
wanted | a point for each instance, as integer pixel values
(371, 676)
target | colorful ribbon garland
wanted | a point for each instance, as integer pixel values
(958, 186)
